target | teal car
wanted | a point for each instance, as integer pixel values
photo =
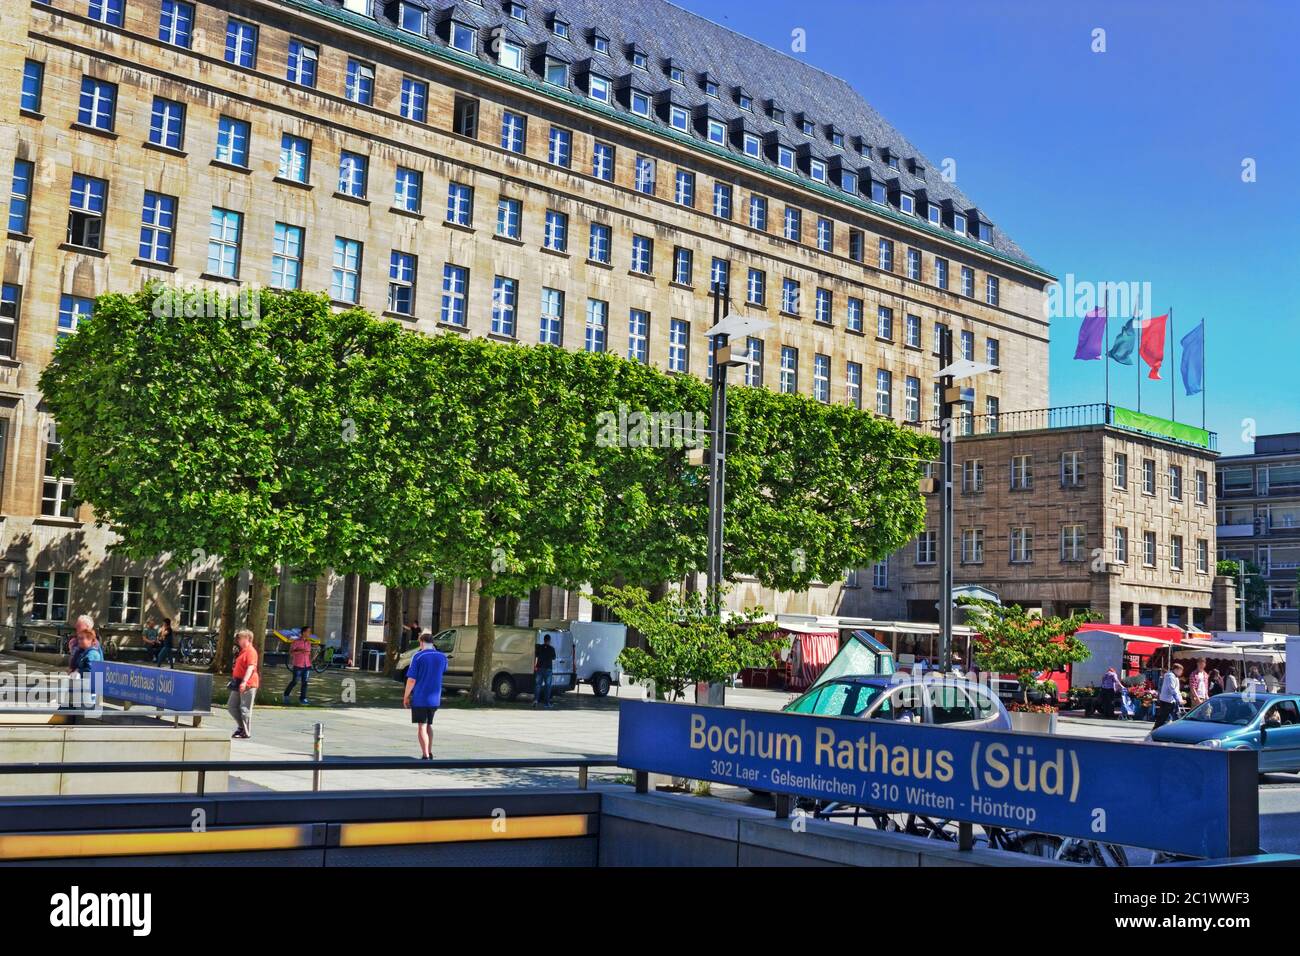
(1267, 723)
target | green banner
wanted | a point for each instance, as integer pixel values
(1164, 427)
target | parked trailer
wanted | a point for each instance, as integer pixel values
(596, 646)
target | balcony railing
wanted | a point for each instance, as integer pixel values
(1081, 416)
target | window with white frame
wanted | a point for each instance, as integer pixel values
(853, 314)
(597, 328)
(912, 399)
(509, 217)
(789, 380)
(643, 255)
(295, 160)
(885, 323)
(57, 487)
(551, 331)
(1071, 469)
(1176, 552)
(972, 476)
(927, 547)
(50, 595)
(1149, 548)
(1121, 545)
(638, 336)
(679, 346)
(756, 287)
(505, 306)
(196, 603)
(853, 384)
(822, 377)
(460, 204)
(301, 64)
(1022, 472)
(401, 283)
(1074, 542)
(286, 257)
(125, 599)
(884, 392)
(1022, 545)
(598, 245)
(345, 273)
(972, 546)
(455, 292)
(555, 234)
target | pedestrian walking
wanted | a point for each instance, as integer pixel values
(166, 645)
(244, 681)
(1230, 682)
(423, 694)
(1198, 685)
(1216, 682)
(543, 669)
(1109, 692)
(300, 649)
(83, 625)
(85, 652)
(1171, 696)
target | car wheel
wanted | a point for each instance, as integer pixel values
(504, 687)
(600, 685)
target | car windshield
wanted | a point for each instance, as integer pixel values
(1226, 709)
(836, 700)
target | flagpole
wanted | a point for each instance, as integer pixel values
(1203, 363)
(1137, 345)
(1173, 391)
(1107, 327)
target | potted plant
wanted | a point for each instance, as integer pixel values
(1010, 640)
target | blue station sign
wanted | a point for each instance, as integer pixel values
(167, 688)
(1189, 800)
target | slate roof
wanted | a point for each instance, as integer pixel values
(669, 34)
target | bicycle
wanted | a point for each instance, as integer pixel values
(322, 656)
(196, 650)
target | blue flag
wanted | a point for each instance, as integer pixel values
(1194, 359)
(1125, 344)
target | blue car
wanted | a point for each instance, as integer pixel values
(1267, 723)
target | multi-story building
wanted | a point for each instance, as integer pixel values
(1259, 522)
(1065, 510)
(576, 173)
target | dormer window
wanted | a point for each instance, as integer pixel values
(517, 11)
(511, 56)
(907, 203)
(916, 168)
(600, 43)
(959, 223)
(934, 213)
(560, 28)
(890, 159)
(710, 87)
(849, 181)
(817, 170)
(753, 146)
(837, 138)
(462, 37)
(777, 115)
(983, 231)
(639, 103)
(717, 132)
(808, 127)
(864, 148)
(679, 118)
(557, 72)
(358, 6)
(639, 59)
(411, 18)
(598, 87)
(745, 102)
(677, 75)
(785, 157)
(879, 193)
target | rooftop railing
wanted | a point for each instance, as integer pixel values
(1081, 416)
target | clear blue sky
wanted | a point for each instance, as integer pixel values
(1116, 166)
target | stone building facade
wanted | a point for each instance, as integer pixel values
(1054, 513)
(580, 174)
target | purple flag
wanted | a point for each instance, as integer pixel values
(1091, 334)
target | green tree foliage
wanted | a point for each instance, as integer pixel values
(688, 641)
(1012, 641)
(1256, 593)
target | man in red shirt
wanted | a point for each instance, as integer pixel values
(244, 681)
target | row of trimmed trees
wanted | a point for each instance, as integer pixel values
(286, 433)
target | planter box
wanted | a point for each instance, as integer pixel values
(1035, 723)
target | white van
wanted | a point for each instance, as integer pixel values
(512, 659)
(596, 647)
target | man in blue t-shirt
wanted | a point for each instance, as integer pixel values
(424, 691)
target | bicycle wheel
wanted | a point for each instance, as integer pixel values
(321, 661)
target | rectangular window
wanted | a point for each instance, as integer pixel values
(286, 257)
(301, 63)
(719, 274)
(1149, 548)
(854, 316)
(598, 246)
(157, 227)
(853, 384)
(345, 275)
(354, 175)
(86, 212)
(1121, 546)
(232, 142)
(790, 296)
(295, 161)
(1148, 476)
(992, 352)
(167, 123)
(98, 103)
(560, 147)
(505, 306)
(50, 595)
(789, 382)
(1022, 545)
(645, 175)
(105, 11)
(414, 102)
(455, 292)
(33, 85)
(1202, 556)
(1176, 552)
(927, 547)
(679, 346)
(822, 377)
(73, 310)
(940, 273)
(880, 575)
(56, 487)
(754, 362)
(359, 82)
(684, 192)
(125, 599)
(825, 235)
(597, 329)
(11, 300)
(1022, 472)
(972, 546)
(857, 245)
(1202, 488)
(972, 476)
(991, 293)
(465, 117)
(1175, 482)
(1074, 542)
(642, 254)
(758, 213)
(514, 131)
(1071, 469)
(552, 323)
(914, 264)
(912, 399)
(884, 392)
(20, 196)
(196, 604)
(402, 270)
(912, 331)
(241, 43)
(176, 23)
(885, 323)
(823, 307)
(460, 204)
(756, 287)
(793, 224)
(602, 161)
(968, 281)
(408, 189)
(683, 266)
(461, 36)
(509, 213)
(638, 336)
(722, 194)
(968, 345)
(556, 234)
(1120, 470)
(885, 257)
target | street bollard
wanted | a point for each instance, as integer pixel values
(318, 753)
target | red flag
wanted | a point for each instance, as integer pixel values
(1152, 349)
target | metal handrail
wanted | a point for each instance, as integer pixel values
(203, 767)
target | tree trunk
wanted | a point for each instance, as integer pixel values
(393, 625)
(480, 690)
(226, 635)
(259, 601)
